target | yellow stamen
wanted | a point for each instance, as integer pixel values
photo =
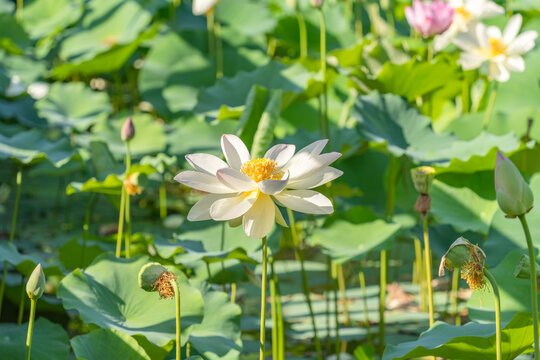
(496, 47)
(261, 169)
(465, 14)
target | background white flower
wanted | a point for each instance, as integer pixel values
(502, 50)
(246, 190)
(203, 7)
(467, 13)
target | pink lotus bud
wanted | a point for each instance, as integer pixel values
(316, 3)
(429, 18)
(128, 130)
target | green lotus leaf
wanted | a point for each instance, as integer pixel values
(26, 263)
(31, 147)
(172, 73)
(218, 336)
(361, 238)
(107, 294)
(74, 106)
(292, 80)
(107, 344)
(13, 37)
(471, 341)
(45, 17)
(461, 207)
(247, 17)
(23, 111)
(160, 162)
(149, 135)
(80, 252)
(49, 341)
(107, 23)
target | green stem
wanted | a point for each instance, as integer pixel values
(120, 222)
(362, 279)
(162, 201)
(465, 95)
(11, 232)
(324, 103)
(497, 298)
(280, 333)
(211, 34)
(430, 51)
(21, 303)
(30, 328)
(177, 303)
(303, 34)
(534, 301)
(263, 299)
(128, 204)
(86, 227)
(221, 248)
(455, 290)
(273, 309)
(358, 27)
(19, 10)
(427, 255)
(219, 50)
(233, 292)
(343, 291)
(491, 102)
(305, 284)
(337, 347)
(382, 297)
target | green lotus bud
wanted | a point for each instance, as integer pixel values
(422, 178)
(523, 268)
(128, 130)
(149, 274)
(36, 283)
(513, 194)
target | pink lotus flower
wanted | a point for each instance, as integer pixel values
(429, 18)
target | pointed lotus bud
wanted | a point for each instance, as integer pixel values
(513, 194)
(523, 268)
(422, 177)
(155, 277)
(203, 7)
(36, 283)
(317, 3)
(128, 130)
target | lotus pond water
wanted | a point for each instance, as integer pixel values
(269, 179)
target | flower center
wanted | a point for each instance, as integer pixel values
(465, 14)
(496, 47)
(261, 169)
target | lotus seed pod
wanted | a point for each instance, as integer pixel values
(513, 194)
(36, 283)
(149, 274)
(460, 253)
(523, 268)
(128, 130)
(317, 3)
(422, 178)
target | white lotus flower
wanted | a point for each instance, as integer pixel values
(203, 7)
(247, 190)
(501, 50)
(467, 13)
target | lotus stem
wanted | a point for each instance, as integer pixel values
(382, 297)
(534, 301)
(219, 50)
(343, 291)
(233, 292)
(120, 222)
(19, 11)
(455, 291)
(303, 34)
(30, 328)
(336, 311)
(491, 103)
(324, 102)
(221, 248)
(86, 226)
(273, 310)
(12, 231)
(362, 279)
(305, 285)
(162, 201)
(497, 298)
(427, 255)
(128, 204)
(177, 304)
(21, 303)
(279, 333)
(263, 299)
(211, 34)
(358, 26)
